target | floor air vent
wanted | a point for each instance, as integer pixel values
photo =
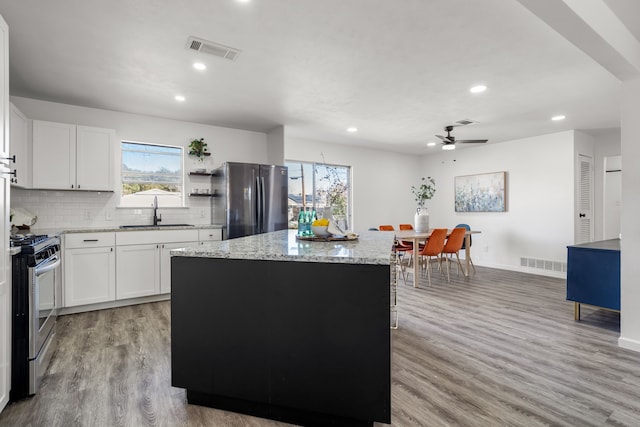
(212, 48)
(544, 264)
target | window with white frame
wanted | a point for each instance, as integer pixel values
(150, 171)
(325, 188)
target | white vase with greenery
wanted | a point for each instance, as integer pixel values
(422, 193)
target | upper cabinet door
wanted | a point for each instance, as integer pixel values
(94, 160)
(20, 148)
(54, 155)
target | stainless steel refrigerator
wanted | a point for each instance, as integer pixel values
(249, 198)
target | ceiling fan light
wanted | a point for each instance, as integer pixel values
(478, 89)
(448, 147)
(431, 144)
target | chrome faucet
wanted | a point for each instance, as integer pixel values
(156, 218)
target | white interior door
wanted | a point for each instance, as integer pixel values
(612, 197)
(584, 202)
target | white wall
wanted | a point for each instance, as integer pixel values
(630, 226)
(540, 199)
(381, 180)
(60, 209)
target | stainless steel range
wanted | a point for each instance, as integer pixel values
(36, 277)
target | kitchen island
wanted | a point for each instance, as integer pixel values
(297, 331)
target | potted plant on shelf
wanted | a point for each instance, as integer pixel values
(422, 193)
(198, 148)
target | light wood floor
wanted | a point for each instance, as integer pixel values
(500, 348)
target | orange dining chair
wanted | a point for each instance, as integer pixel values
(433, 248)
(406, 242)
(452, 246)
(386, 228)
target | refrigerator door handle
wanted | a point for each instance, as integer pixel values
(263, 208)
(258, 205)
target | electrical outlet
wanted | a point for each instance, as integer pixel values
(108, 216)
(137, 211)
(87, 214)
(201, 213)
(485, 248)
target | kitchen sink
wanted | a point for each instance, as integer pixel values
(156, 226)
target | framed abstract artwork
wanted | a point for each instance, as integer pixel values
(481, 193)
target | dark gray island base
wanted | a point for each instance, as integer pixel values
(301, 342)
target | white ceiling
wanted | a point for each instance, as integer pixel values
(398, 70)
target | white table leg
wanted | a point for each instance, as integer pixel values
(416, 256)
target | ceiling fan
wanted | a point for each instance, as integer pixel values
(448, 142)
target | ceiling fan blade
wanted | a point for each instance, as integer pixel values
(444, 138)
(472, 141)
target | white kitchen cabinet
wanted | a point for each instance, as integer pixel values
(209, 235)
(137, 271)
(143, 260)
(20, 151)
(89, 268)
(94, 158)
(54, 155)
(70, 157)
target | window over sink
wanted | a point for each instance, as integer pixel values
(149, 171)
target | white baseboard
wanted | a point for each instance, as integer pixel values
(537, 271)
(629, 344)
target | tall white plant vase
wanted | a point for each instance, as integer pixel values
(421, 220)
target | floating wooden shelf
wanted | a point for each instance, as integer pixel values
(200, 195)
(200, 174)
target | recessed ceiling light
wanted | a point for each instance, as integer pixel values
(180, 98)
(431, 144)
(478, 89)
(199, 66)
(352, 129)
(558, 118)
(448, 147)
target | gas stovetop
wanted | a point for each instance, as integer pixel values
(27, 239)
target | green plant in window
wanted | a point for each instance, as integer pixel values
(198, 148)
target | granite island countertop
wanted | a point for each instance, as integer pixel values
(372, 247)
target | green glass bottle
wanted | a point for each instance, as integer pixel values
(301, 225)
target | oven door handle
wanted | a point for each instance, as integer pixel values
(42, 270)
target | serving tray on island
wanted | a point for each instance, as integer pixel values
(333, 238)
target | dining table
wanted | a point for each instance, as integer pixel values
(417, 236)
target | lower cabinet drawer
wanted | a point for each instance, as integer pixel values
(89, 240)
(212, 234)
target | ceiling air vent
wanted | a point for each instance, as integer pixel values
(211, 48)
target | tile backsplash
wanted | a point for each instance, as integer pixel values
(86, 209)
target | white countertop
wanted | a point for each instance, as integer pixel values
(372, 247)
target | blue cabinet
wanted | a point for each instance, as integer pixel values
(593, 275)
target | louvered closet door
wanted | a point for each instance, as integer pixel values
(584, 220)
